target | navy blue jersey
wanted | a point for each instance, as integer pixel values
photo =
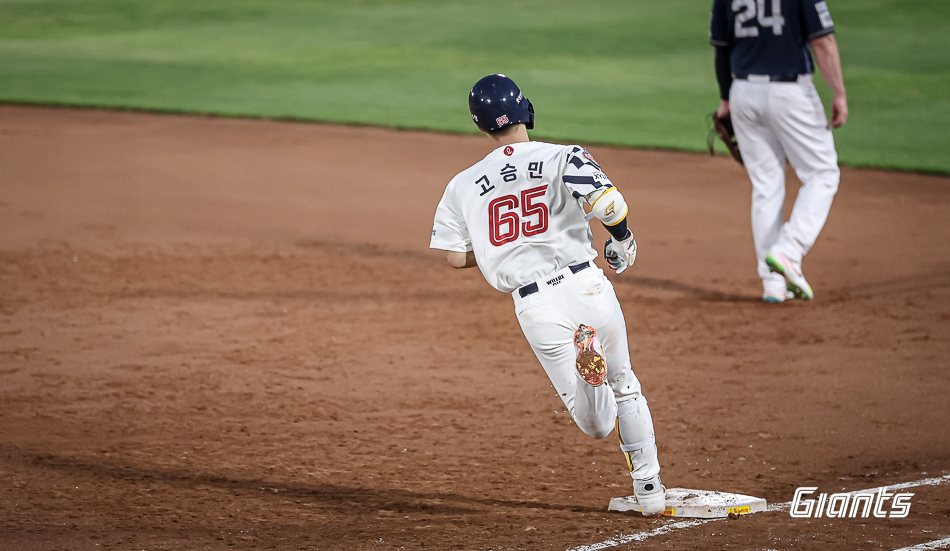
(769, 37)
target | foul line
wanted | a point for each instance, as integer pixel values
(936, 544)
(640, 536)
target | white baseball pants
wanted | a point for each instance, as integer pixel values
(775, 121)
(549, 319)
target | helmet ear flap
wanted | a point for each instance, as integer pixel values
(530, 123)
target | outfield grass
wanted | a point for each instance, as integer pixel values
(627, 72)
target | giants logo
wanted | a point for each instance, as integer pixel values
(850, 505)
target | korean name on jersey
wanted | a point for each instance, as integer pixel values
(520, 209)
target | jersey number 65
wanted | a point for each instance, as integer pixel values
(504, 224)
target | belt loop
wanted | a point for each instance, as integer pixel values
(579, 267)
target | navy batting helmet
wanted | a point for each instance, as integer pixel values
(496, 102)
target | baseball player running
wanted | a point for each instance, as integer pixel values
(764, 68)
(518, 214)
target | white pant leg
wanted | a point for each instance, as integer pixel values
(764, 159)
(637, 440)
(549, 319)
(802, 128)
(634, 420)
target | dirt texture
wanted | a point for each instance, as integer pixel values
(230, 334)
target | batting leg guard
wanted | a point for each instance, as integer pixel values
(637, 439)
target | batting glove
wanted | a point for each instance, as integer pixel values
(621, 255)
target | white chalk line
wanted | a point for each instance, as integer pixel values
(936, 544)
(640, 536)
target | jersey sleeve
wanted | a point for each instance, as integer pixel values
(816, 19)
(582, 174)
(719, 25)
(449, 232)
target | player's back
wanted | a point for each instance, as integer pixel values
(769, 37)
(521, 218)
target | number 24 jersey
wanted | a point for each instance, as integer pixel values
(520, 209)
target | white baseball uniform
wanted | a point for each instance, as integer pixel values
(775, 121)
(520, 210)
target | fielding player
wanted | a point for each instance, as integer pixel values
(764, 68)
(518, 214)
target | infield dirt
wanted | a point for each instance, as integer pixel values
(230, 334)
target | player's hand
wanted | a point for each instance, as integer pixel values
(723, 109)
(839, 111)
(621, 255)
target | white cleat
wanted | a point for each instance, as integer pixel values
(774, 289)
(792, 271)
(651, 495)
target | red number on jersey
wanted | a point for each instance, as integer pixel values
(504, 227)
(497, 219)
(539, 209)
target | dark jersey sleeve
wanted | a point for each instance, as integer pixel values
(723, 72)
(816, 19)
(719, 25)
(582, 174)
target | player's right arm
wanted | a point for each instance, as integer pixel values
(583, 176)
(819, 31)
(829, 63)
(611, 209)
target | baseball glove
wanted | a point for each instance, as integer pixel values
(722, 127)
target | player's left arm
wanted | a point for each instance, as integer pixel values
(720, 37)
(450, 232)
(829, 63)
(723, 78)
(461, 260)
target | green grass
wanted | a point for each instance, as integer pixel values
(627, 72)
